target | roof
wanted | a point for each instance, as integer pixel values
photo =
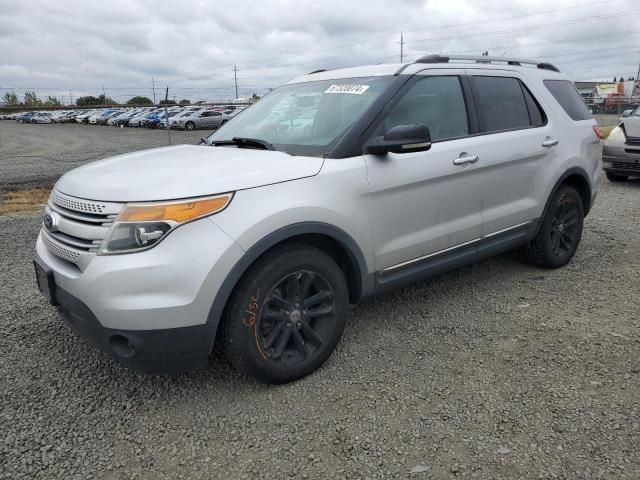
(385, 69)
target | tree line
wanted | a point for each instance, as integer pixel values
(30, 99)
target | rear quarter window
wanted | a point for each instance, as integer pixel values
(569, 99)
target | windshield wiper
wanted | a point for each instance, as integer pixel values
(245, 142)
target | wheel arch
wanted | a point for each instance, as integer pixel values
(328, 238)
(577, 178)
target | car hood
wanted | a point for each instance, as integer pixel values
(632, 126)
(183, 171)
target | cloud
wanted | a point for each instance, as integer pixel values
(192, 45)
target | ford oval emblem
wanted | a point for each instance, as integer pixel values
(50, 221)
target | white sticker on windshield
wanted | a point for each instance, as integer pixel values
(352, 89)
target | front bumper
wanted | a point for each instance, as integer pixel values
(153, 352)
(621, 159)
(148, 310)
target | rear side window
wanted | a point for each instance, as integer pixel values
(501, 104)
(569, 99)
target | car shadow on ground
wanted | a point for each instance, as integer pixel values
(365, 318)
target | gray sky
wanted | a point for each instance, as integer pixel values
(58, 47)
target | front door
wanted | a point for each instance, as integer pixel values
(426, 202)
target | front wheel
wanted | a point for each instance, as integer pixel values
(190, 126)
(617, 178)
(286, 315)
(560, 232)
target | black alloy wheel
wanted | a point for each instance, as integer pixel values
(564, 228)
(286, 315)
(295, 317)
(560, 230)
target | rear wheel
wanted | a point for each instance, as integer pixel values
(560, 232)
(190, 126)
(617, 178)
(286, 315)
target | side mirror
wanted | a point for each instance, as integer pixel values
(627, 113)
(401, 139)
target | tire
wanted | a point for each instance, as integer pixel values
(33, 122)
(267, 333)
(190, 126)
(223, 122)
(617, 178)
(560, 232)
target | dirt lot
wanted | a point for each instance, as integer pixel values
(497, 371)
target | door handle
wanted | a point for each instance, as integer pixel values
(463, 160)
(549, 142)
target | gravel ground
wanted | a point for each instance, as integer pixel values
(497, 371)
(40, 154)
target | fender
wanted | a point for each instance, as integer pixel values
(344, 239)
(571, 171)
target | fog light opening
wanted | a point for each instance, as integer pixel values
(122, 346)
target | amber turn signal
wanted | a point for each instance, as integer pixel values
(179, 212)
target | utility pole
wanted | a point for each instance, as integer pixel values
(166, 114)
(104, 95)
(401, 47)
(153, 86)
(235, 78)
(70, 98)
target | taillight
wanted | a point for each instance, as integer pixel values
(598, 132)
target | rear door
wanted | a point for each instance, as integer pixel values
(518, 147)
(423, 203)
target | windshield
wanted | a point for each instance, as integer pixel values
(305, 118)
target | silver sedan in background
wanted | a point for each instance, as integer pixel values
(199, 119)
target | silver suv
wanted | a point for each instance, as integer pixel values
(332, 189)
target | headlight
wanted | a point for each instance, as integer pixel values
(617, 136)
(140, 226)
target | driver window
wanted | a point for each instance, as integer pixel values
(437, 102)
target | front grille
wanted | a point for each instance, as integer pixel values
(77, 204)
(625, 166)
(80, 226)
(633, 141)
(60, 251)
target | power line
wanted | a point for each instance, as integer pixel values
(529, 28)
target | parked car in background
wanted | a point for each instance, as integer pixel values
(200, 119)
(64, 116)
(42, 117)
(621, 149)
(25, 117)
(263, 236)
(123, 117)
(141, 120)
(85, 115)
(629, 113)
(102, 116)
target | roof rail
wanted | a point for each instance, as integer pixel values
(317, 71)
(484, 59)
